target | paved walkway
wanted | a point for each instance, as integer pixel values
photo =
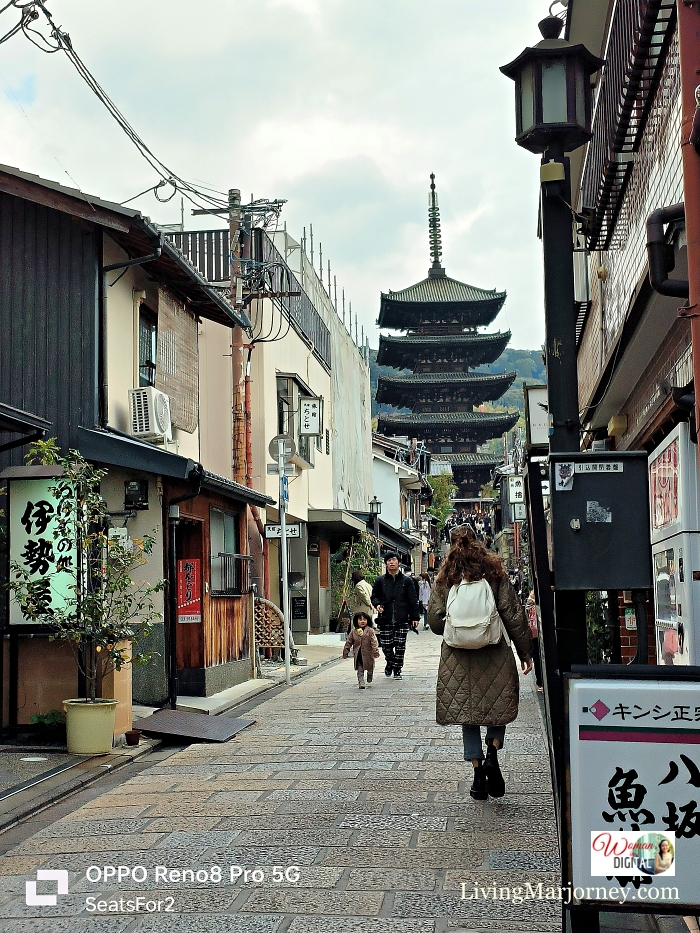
(359, 789)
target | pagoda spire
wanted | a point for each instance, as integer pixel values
(434, 234)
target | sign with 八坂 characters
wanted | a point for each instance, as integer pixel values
(37, 547)
(634, 798)
(310, 417)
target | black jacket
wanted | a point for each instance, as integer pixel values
(398, 597)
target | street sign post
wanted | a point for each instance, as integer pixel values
(285, 451)
(516, 490)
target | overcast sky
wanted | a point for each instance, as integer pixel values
(343, 107)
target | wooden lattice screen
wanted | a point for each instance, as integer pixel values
(269, 625)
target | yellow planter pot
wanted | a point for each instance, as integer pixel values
(90, 726)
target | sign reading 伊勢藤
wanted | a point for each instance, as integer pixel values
(189, 591)
(35, 547)
(634, 748)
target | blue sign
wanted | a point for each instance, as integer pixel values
(285, 489)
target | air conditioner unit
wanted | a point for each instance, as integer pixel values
(405, 524)
(150, 413)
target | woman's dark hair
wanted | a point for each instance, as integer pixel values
(361, 615)
(424, 576)
(667, 843)
(357, 575)
(468, 559)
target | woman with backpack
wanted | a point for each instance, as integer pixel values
(474, 607)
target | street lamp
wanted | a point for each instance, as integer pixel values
(553, 91)
(553, 116)
(375, 508)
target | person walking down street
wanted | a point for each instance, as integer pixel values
(394, 597)
(424, 597)
(534, 625)
(365, 648)
(478, 686)
(362, 592)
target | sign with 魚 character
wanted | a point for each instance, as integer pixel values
(634, 803)
(37, 546)
(189, 591)
(516, 490)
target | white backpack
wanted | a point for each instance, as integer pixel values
(472, 619)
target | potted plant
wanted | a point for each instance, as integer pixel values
(89, 599)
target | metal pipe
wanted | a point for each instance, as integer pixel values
(689, 41)
(195, 477)
(639, 599)
(660, 253)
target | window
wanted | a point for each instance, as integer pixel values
(328, 442)
(148, 345)
(288, 415)
(226, 563)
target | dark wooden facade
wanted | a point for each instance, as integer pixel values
(49, 316)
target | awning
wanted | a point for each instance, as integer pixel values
(133, 454)
(388, 535)
(15, 421)
(337, 525)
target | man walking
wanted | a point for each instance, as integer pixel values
(394, 597)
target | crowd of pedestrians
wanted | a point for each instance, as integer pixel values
(479, 522)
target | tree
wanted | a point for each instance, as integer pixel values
(360, 554)
(104, 614)
(443, 489)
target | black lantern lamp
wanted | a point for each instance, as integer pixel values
(375, 508)
(553, 91)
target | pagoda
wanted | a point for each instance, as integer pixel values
(442, 345)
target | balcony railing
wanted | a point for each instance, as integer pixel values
(638, 42)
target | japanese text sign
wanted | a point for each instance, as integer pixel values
(36, 546)
(311, 416)
(635, 788)
(189, 591)
(663, 487)
(516, 490)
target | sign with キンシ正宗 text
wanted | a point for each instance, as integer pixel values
(37, 547)
(634, 748)
(189, 591)
(310, 417)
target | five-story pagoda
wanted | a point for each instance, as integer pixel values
(442, 345)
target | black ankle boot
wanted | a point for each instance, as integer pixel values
(495, 785)
(478, 789)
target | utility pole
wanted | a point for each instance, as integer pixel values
(562, 374)
(237, 341)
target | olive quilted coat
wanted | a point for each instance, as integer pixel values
(479, 687)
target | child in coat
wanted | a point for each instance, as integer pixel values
(363, 642)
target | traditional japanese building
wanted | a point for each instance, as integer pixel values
(442, 346)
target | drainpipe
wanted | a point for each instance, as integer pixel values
(194, 477)
(689, 40)
(660, 253)
(103, 365)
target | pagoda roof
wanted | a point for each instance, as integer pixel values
(439, 299)
(476, 461)
(402, 352)
(483, 420)
(405, 391)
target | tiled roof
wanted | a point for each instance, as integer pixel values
(442, 288)
(427, 379)
(468, 340)
(473, 460)
(478, 418)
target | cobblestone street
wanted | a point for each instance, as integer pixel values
(358, 789)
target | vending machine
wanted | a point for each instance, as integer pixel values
(675, 540)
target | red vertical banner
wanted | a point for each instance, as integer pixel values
(516, 540)
(189, 591)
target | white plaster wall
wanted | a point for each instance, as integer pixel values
(387, 489)
(215, 397)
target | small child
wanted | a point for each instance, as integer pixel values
(363, 641)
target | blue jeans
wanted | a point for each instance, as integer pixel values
(471, 737)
